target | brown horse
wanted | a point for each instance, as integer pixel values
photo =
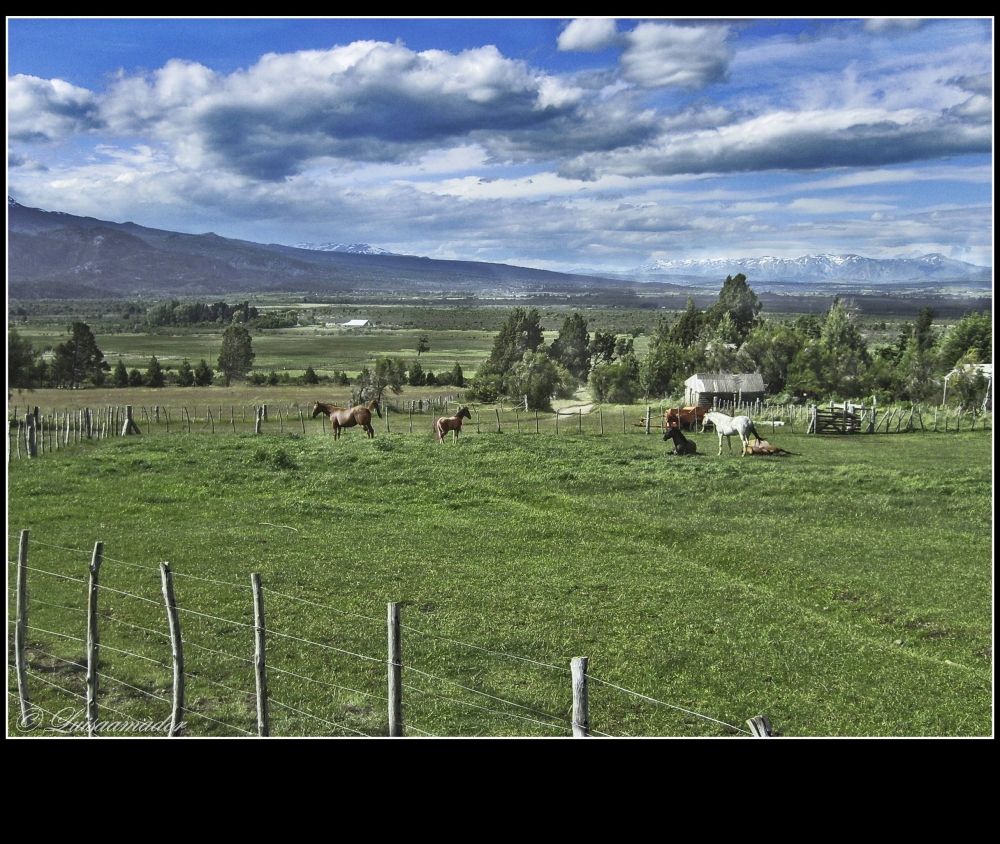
(688, 417)
(445, 424)
(342, 417)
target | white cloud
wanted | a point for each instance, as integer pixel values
(589, 34)
(689, 57)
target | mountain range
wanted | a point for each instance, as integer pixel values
(57, 255)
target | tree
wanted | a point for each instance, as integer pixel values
(572, 347)
(423, 344)
(388, 374)
(185, 376)
(154, 375)
(119, 377)
(416, 377)
(310, 376)
(539, 378)
(457, 376)
(78, 359)
(739, 301)
(22, 363)
(237, 355)
(522, 332)
(602, 347)
(687, 330)
(135, 378)
(617, 382)
(203, 375)
(973, 332)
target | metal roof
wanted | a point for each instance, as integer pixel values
(726, 382)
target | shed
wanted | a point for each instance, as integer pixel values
(703, 388)
(356, 323)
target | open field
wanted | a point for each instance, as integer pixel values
(842, 591)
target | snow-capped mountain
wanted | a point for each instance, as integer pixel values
(353, 248)
(817, 268)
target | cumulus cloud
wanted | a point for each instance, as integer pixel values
(48, 109)
(589, 35)
(796, 141)
(689, 57)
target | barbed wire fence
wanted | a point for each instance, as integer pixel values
(134, 673)
(34, 433)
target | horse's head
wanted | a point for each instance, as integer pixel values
(463, 413)
(376, 406)
(317, 409)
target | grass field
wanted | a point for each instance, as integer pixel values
(842, 591)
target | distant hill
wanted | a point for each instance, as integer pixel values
(56, 255)
(53, 255)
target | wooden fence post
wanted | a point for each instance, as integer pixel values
(20, 629)
(623, 421)
(498, 420)
(536, 420)
(260, 419)
(176, 650)
(259, 656)
(557, 423)
(130, 427)
(581, 705)
(302, 421)
(760, 726)
(600, 412)
(30, 436)
(93, 639)
(395, 673)
(647, 418)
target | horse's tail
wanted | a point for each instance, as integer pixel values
(753, 431)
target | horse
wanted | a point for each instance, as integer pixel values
(764, 447)
(444, 424)
(689, 416)
(342, 417)
(682, 445)
(727, 426)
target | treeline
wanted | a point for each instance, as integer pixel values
(176, 313)
(810, 357)
(78, 362)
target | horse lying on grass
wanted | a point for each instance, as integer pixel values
(764, 447)
(445, 424)
(682, 445)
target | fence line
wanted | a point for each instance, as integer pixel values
(580, 726)
(35, 427)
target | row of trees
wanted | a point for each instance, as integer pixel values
(810, 357)
(78, 362)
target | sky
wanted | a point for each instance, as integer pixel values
(556, 143)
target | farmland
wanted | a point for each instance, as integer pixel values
(841, 591)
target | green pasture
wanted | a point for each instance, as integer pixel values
(845, 590)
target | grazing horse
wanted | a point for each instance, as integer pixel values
(342, 417)
(682, 445)
(688, 417)
(445, 424)
(727, 426)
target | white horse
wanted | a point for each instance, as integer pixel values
(727, 426)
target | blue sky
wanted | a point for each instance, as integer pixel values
(557, 143)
